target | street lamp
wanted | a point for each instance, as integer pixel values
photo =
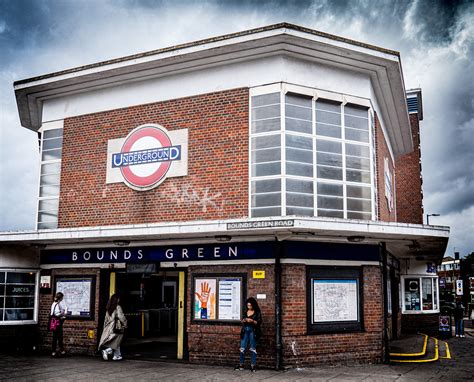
(428, 218)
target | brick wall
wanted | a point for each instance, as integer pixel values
(219, 343)
(339, 348)
(424, 323)
(382, 152)
(75, 331)
(217, 182)
(409, 181)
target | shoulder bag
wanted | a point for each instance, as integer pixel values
(54, 321)
(119, 327)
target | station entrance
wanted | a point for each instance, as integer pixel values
(151, 301)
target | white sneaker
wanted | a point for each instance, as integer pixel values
(105, 355)
(117, 357)
(457, 335)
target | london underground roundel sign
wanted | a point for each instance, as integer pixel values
(146, 156)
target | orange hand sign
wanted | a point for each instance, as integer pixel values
(204, 296)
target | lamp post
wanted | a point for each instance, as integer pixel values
(428, 218)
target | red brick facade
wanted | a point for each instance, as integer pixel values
(76, 339)
(409, 181)
(382, 152)
(217, 181)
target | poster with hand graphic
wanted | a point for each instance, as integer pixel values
(204, 299)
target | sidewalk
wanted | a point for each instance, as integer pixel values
(76, 368)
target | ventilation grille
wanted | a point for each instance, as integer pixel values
(412, 104)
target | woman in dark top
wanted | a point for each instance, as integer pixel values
(250, 333)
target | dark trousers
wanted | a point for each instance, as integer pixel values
(58, 338)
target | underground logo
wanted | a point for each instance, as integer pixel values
(146, 156)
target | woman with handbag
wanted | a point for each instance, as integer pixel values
(56, 319)
(114, 327)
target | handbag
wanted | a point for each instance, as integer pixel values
(54, 321)
(119, 327)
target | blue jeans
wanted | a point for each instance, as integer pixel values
(248, 339)
(459, 327)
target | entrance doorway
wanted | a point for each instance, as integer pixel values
(150, 299)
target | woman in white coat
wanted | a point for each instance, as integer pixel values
(111, 337)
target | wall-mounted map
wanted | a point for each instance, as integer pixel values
(335, 300)
(78, 295)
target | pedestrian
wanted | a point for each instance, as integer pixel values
(114, 327)
(57, 317)
(250, 333)
(458, 318)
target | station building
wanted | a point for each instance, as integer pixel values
(281, 163)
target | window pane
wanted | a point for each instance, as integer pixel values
(298, 112)
(296, 155)
(20, 290)
(49, 144)
(330, 189)
(327, 117)
(357, 135)
(48, 225)
(330, 214)
(358, 111)
(266, 142)
(299, 200)
(299, 142)
(299, 126)
(19, 302)
(329, 173)
(363, 205)
(328, 105)
(266, 155)
(54, 133)
(266, 200)
(265, 99)
(265, 112)
(299, 211)
(329, 159)
(265, 169)
(359, 215)
(51, 168)
(329, 202)
(329, 146)
(358, 192)
(2, 277)
(48, 180)
(260, 212)
(427, 292)
(296, 99)
(1, 314)
(18, 314)
(262, 186)
(48, 216)
(49, 191)
(21, 277)
(357, 150)
(299, 186)
(328, 130)
(2, 292)
(51, 155)
(299, 169)
(358, 176)
(358, 163)
(435, 293)
(265, 125)
(356, 123)
(48, 205)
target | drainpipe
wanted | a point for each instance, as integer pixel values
(383, 253)
(278, 338)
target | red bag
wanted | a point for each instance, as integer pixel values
(54, 323)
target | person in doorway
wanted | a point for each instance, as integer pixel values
(115, 323)
(458, 318)
(250, 333)
(58, 311)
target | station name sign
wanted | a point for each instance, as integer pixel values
(261, 224)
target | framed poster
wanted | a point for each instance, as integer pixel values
(218, 298)
(335, 300)
(79, 295)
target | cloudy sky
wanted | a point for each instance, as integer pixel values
(435, 40)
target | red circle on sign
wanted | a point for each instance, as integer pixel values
(152, 180)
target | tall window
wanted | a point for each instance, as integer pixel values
(50, 172)
(17, 296)
(310, 157)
